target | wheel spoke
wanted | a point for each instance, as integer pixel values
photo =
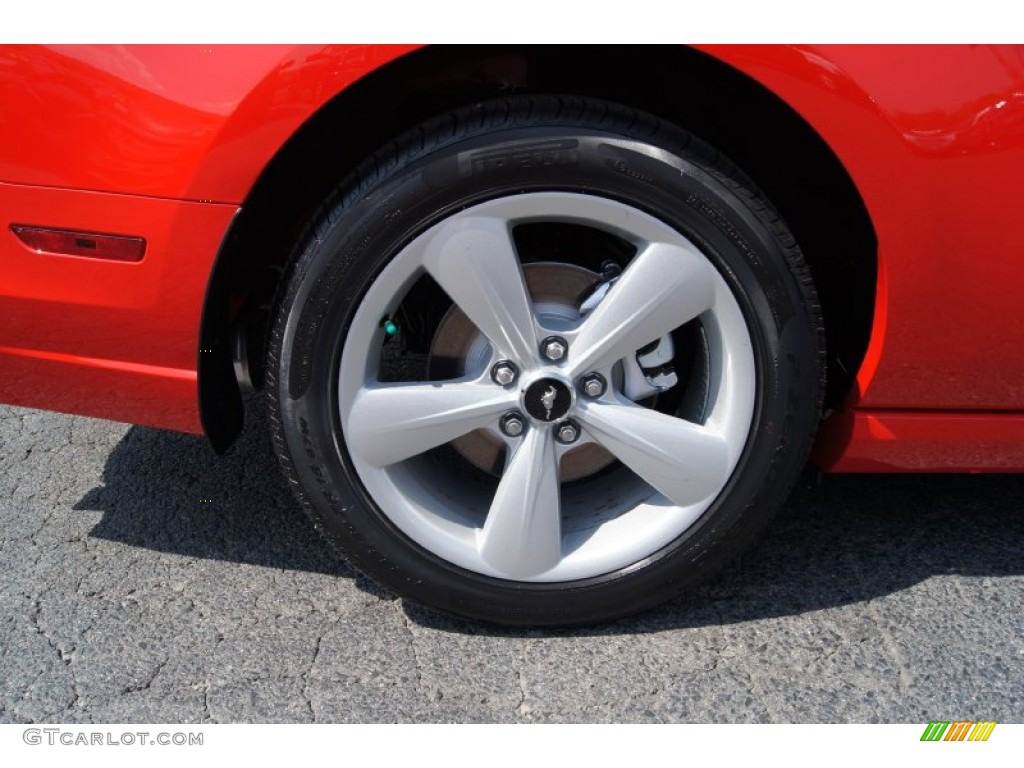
(522, 535)
(474, 261)
(392, 422)
(685, 461)
(664, 287)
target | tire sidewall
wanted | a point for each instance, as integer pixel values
(674, 180)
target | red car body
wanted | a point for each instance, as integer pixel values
(170, 143)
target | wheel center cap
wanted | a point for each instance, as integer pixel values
(547, 399)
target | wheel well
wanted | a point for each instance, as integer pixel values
(783, 155)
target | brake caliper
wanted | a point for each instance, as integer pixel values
(650, 370)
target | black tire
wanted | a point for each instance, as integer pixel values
(522, 146)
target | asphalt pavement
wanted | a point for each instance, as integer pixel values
(145, 579)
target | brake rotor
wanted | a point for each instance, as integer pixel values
(557, 290)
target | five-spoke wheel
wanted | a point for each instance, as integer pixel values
(545, 361)
(532, 375)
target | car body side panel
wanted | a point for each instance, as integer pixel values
(921, 441)
(933, 137)
(103, 338)
(187, 122)
(144, 141)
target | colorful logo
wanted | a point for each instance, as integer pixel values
(958, 730)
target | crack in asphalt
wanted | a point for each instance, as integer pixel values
(418, 664)
(144, 685)
(305, 677)
(906, 677)
(522, 710)
(66, 657)
(207, 716)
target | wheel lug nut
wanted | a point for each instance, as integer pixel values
(504, 373)
(554, 347)
(593, 385)
(512, 424)
(567, 432)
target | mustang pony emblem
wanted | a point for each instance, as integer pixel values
(548, 401)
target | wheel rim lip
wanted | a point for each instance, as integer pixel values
(648, 521)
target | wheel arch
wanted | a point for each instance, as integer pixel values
(756, 129)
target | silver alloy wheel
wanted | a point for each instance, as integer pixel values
(531, 528)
